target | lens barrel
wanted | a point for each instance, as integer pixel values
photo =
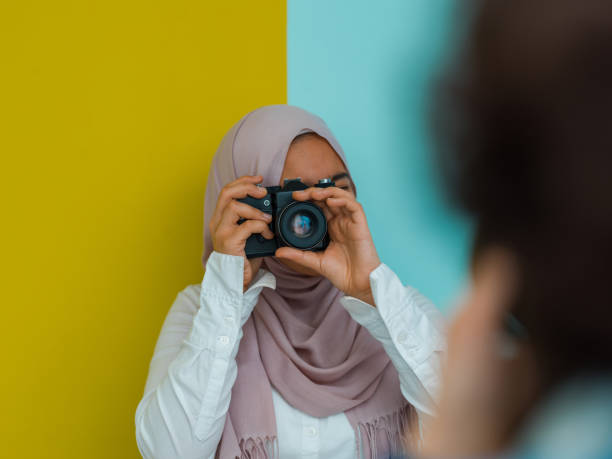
(301, 225)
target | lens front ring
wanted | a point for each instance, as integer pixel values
(310, 229)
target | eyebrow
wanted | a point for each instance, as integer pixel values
(339, 176)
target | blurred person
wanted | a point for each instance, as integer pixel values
(302, 353)
(526, 150)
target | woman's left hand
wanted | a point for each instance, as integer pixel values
(351, 256)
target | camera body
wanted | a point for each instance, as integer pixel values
(298, 224)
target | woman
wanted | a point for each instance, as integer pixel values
(530, 161)
(320, 353)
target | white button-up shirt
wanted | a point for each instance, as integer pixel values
(187, 394)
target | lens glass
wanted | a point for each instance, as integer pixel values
(301, 225)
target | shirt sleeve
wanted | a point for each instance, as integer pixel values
(193, 369)
(411, 330)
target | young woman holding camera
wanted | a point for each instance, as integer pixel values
(305, 353)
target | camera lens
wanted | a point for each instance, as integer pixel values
(301, 224)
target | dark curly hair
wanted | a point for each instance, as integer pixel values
(523, 121)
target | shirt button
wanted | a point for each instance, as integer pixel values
(310, 431)
(402, 337)
(229, 320)
(223, 340)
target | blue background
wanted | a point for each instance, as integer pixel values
(366, 68)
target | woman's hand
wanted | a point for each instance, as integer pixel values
(351, 256)
(227, 235)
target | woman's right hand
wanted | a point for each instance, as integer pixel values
(227, 235)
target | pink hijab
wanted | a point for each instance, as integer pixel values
(299, 339)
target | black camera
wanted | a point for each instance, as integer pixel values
(298, 224)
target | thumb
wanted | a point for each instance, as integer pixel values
(307, 259)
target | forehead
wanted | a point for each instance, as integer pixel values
(312, 158)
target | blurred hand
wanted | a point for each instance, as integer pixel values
(227, 235)
(351, 256)
(484, 394)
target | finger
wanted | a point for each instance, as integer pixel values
(246, 179)
(305, 258)
(250, 178)
(242, 190)
(326, 210)
(336, 205)
(329, 212)
(351, 208)
(253, 227)
(233, 191)
(235, 210)
(320, 194)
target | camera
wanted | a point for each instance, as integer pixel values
(298, 224)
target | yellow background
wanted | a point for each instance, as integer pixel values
(111, 111)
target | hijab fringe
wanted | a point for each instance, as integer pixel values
(259, 448)
(396, 428)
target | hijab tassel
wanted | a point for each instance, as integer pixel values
(395, 429)
(259, 448)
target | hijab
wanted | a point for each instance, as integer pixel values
(299, 340)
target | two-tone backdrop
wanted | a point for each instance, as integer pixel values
(111, 112)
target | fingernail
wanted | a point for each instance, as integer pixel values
(267, 216)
